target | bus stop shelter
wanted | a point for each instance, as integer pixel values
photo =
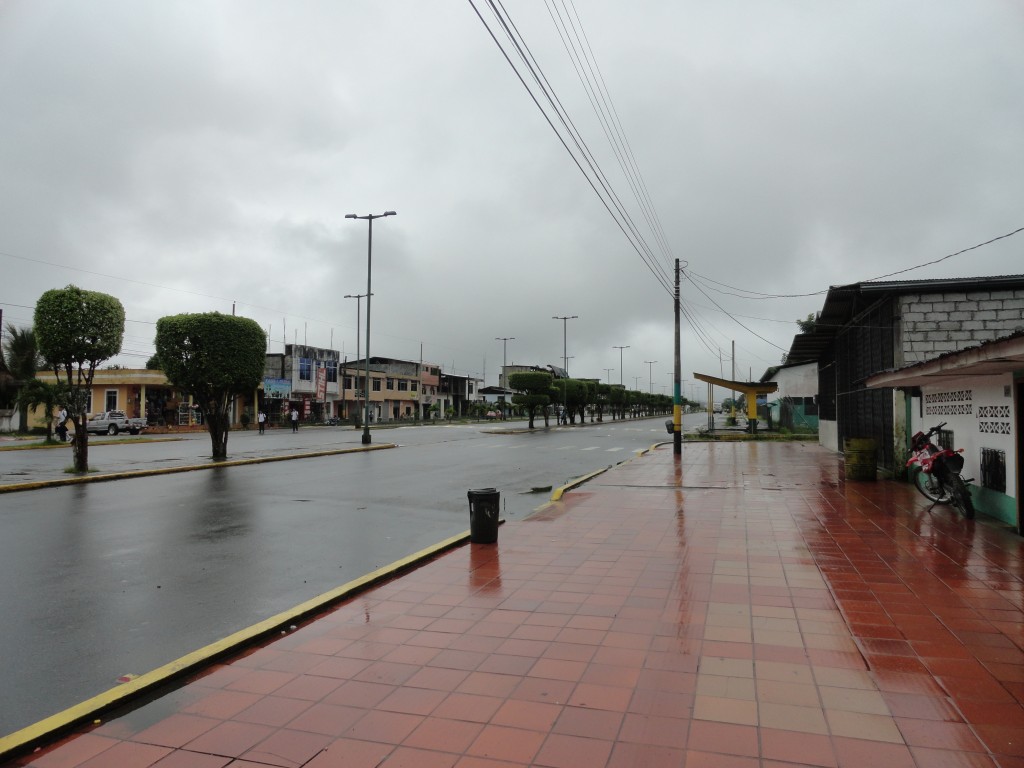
(750, 389)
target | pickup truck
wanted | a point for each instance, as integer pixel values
(112, 422)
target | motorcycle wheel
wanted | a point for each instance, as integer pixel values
(961, 497)
(931, 488)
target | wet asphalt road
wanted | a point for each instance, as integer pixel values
(104, 579)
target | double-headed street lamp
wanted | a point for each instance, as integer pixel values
(608, 373)
(504, 357)
(620, 360)
(650, 375)
(369, 273)
(565, 353)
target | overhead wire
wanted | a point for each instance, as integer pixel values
(620, 131)
(581, 54)
(595, 177)
(757, 295)
(526, 54)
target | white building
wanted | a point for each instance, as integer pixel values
(979, 393)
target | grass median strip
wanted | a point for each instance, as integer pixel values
(99, 478)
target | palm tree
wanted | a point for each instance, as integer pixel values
(38, 394)
(23, 360)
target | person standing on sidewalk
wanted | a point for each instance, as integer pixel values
(261, 419)
(62, 424)
(295, 419)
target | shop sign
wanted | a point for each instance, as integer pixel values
(277, 389)
(321, 384)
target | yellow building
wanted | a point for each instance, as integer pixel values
(140, 393)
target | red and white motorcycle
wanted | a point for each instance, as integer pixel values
(937, 474)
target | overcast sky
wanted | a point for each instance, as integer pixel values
(184, 156)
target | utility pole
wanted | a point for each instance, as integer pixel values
(734, 378)
(677, 401)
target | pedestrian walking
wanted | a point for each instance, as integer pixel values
(295, 419)
(261, 419)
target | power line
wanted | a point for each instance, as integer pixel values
(608, 198)
(756, 295)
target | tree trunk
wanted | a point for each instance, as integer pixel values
(23, 418)
(80, 444)
(217, 424)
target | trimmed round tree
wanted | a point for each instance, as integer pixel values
(76, 330)
(213, 358)
(533, 391)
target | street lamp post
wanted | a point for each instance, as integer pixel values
(608, 373)
(359, 300)
(650, 375)
(504, 357)
(565, 323)
(620, 361)
(369, 274)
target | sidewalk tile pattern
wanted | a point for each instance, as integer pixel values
(744, 607)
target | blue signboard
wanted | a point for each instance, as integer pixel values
(277, 389)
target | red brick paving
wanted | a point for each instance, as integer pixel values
(743, 607)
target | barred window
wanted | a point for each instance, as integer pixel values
(993, 469)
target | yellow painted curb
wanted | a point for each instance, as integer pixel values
(560, 491)
(33, 735)
(13, 487)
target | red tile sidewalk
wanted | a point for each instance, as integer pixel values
(745, 607)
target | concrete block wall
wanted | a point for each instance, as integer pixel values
(932, 324)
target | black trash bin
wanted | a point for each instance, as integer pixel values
(483, 515)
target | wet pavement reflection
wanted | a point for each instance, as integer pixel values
(745, 606)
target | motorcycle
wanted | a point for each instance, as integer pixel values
(938, 477)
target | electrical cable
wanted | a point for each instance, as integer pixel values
(655, 267)
(531, 63)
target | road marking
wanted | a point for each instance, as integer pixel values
(613, 450)
(592, 448)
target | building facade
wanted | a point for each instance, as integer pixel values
(866, 328)
(978, 394)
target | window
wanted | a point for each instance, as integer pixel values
(993, 469)
(332, 370)
(945, 438)
(111, 400)
(471, 387)
(376, 385)
(305, 369)
(390, 383)
(403, 385)
(348, 382)
(412, 385)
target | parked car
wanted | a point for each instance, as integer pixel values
(112, 422)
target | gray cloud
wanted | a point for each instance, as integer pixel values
(213, 149)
